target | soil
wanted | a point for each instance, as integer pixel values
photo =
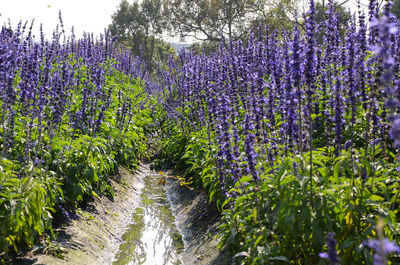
(95, 235)
(197, 221)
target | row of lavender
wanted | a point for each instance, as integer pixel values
(39, 77)
(316, 103)
(290, 80)
(46, 73)
(69, 114)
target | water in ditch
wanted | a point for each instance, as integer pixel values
(152, 238)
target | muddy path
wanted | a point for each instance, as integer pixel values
(152, 237)
(147, 223)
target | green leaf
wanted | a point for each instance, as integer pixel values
(375, 197)
(255, 214)
(336, 169)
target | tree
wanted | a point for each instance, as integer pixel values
(128, 24)
(276, 14)
(140, 27)
(208, 20)
(344, 14)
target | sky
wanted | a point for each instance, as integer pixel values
(85, 15)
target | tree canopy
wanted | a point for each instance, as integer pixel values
(139, 27)
(208, 22)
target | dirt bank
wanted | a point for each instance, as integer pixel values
(197, 221)
(95, 235)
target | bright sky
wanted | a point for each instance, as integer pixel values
(84, 15)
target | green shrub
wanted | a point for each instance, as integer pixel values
(26, 206)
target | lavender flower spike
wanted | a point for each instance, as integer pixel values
(387, 28)
(332, 253)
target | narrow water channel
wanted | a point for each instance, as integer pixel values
(152, 238)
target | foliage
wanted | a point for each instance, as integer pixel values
(284, 226)
(26, 205)
(277, 15)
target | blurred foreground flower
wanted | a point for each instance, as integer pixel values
(382, 249)
(332, 253)
(382, 246)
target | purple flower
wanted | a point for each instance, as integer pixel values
(382, 249)
(387, 28)
(394, 132)
(332, 253)
(347, 145)
(115, 38)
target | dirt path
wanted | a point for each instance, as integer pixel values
(95, 236)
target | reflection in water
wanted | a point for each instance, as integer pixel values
(152, 238)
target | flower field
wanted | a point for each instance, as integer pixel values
(293, 134)
(71, 112)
